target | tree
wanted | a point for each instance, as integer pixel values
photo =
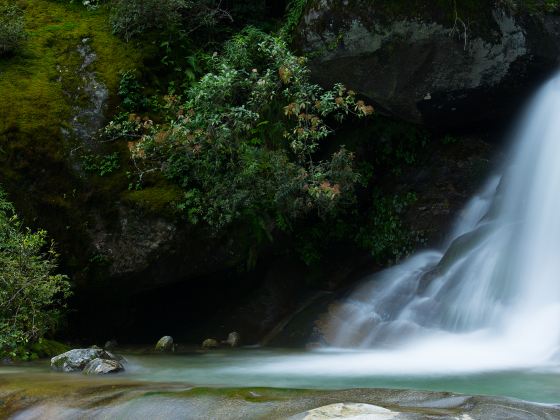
(31, 294)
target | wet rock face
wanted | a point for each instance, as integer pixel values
(427, 64)
(103, 367)
(148, 251)
(86, 94)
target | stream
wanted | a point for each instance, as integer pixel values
(259, 383)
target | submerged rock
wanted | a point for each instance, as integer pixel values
(234, 339)
(210, 343)
(103, 367)
(165, 344)
(349, 411)
(77, 359)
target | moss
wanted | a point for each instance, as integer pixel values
(155, 200)
(39, 90)
(49, 348)
(30, 82)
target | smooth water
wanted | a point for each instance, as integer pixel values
(252, 368)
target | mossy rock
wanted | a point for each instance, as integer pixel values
(155, 200)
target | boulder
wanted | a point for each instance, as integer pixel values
(210, 343)
(349, 411)
(102, 367)
(451, 65)
(233, 339)
(77, 359)
(110, 345)
(165, 344)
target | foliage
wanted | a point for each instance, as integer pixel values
(101, 164)
(12, 28)
(382, 233)
(135, 18)
(47, 348)
(130, 92)
(242, 143)
(294, 14)
(378, 228)
(31, 295)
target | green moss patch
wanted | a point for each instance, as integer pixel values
(30, 82)
(40, 87)
(156, 200)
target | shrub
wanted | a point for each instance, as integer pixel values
(31, 295)
(12, 28)
(134, 18)
(244, 142)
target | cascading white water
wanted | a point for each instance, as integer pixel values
(490, 300)
(500, 271)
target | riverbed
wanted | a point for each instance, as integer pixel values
(200, 383)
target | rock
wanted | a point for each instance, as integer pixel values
(433, 65)
(77, 359)
(210, 343)
(110, 345)
(165, 344)
(233, 340)
(349, 411)
(103, 367)
(314, 345)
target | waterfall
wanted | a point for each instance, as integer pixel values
(487, 301)
(494, 288)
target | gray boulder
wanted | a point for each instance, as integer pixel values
(77, 359)
(234, 339)
(103, 367)
(110, 345)
(165, 344)
(452, 65)
(349, 411)
(210, 343)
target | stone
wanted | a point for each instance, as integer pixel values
(420, 64)
(110, 345)
(165, 344)
(77, 359)
(314, 345)
(210, 343)
(349, 411)
(233, 339)
(103, 367)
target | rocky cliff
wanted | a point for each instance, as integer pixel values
(441, 63)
